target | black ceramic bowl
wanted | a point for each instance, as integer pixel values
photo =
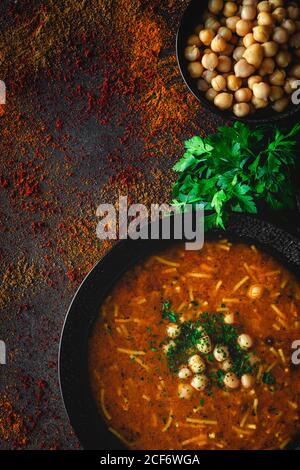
(84, 310)
(192, 18)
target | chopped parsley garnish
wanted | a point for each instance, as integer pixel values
(168, 314)
(268, 378)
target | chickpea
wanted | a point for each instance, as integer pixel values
(243, 27)
(264, 6)
(276, 93)
(270, 48)
(185, 391)
(206, 36)
(245, 341)
(254, 55)
(210, 61)
(290, 85)
(173, 330)
(248, 12)
(229, 319)
(218, 44)
(248, 40)
(295, 71)
(229, 50)
(225, 32)
(208, 75)
(265, 19)
(166, 347)
(276, 3)
(202, 85)
(261, 33)
(232, 22)
(289, 25)
(293, 12)
(215, 6)
(295, 41)
(241, 109)
(211, 94)
(221, 353)
(256, 290)
(199, 382)
(250, 2)
(229, 10)
(218, 83)
(243, 95)
(223, 101)
(279, 14)
(253, 359)
(195, 69)
(225, 64)
(192, 53)
(196, 364)
(280, 35)
(233, 82)
(231, 380)
(254, 79)
(227, 365)
(243, 69)
(204, 345)
(283, 59)
(277, 77)
(258, 103)
(247, 380)
(280, 105)
(194, 40)
(184, 373)
(212, 23)
(238, 53)
(267, 67)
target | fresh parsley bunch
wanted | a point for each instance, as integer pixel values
(236, 168)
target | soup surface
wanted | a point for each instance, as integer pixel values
(192, 350)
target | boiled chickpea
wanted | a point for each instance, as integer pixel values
(244, 27)
(223, 101)
(276, 3)
(283, 59)
(229, 50)
(231, 380)
(202, 85)
(279, 14)
(208, 75)
(290, 85)
(243, 95)
(168, 346)
(210, 61)
(212, 23)
(264, 6)
(270, 48)
(204, 344)
(218, 44)
(221, 353)
(185, 391)
(277, 77)
(253, 359)
(248, 12)
(276, 93)
(184, 373)
(295, 71)
(226, 33)
(280, 35)
(245, 341)
(247, 380)
(233, 82)
(254, 55)
(229, 10)
(195, 69)
(218, 83)
(192, 53)
(250, 2)
(256, 291)
(248, 40)
(206, 36)
(241, 109)
(232, 22)
(199, 382)
(227, 365)
(243, 69)
(293, 12)
(265, 19)
(194, 40)
(261, 33)
(267, 67)
(173, 330)
(215, 6)
(254, 79)
(224, 64)
(280, 105)
(196, 364)
(289, 25)
(229, 318)
(259, 103)
(238, 53)
(211, 94)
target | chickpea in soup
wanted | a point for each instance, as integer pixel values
(192, 350)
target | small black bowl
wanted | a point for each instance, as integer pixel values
(84, 416)
(192, 18)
